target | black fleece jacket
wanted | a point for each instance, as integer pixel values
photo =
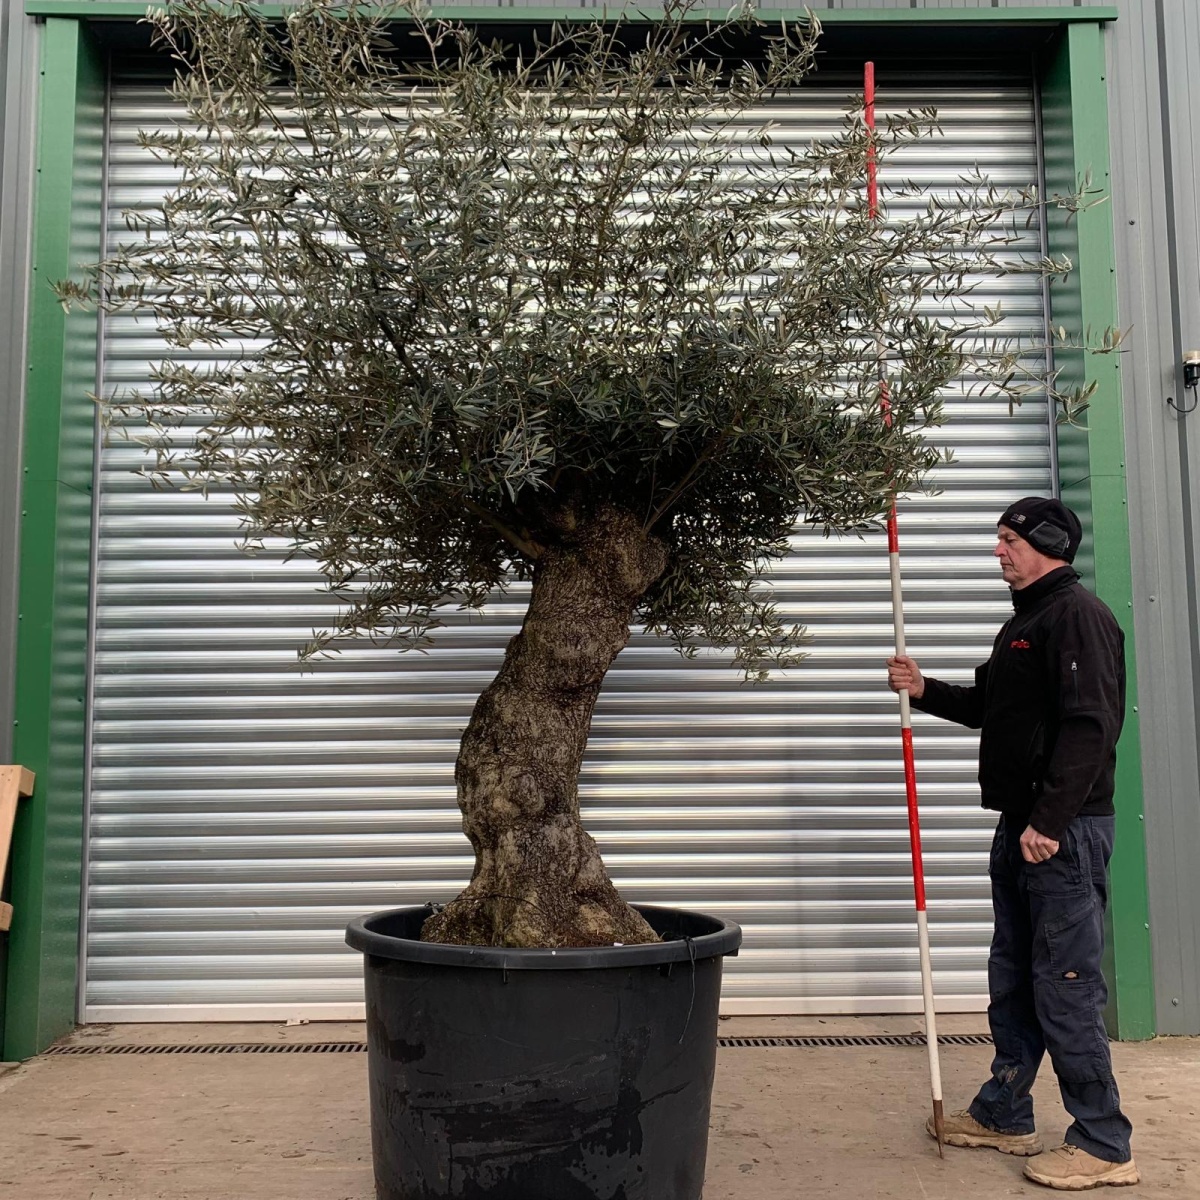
(1050, 703)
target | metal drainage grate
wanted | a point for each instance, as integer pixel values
(881, 1039)
(728, 1043)
(220, 1048)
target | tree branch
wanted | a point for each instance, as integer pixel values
(686, 482)
(530, 549)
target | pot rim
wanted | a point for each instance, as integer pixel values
(723, 938)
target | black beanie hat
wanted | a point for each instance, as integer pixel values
(1048, 525)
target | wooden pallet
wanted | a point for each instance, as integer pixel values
(15, 784)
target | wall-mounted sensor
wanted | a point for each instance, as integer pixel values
(1191, 368)
(1191, 382)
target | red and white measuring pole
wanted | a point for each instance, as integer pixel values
(910, 772)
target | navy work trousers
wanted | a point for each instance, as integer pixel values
(1047, 989)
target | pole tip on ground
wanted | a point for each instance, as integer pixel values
(939, 1127)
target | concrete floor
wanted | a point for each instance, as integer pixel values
(788, 1124)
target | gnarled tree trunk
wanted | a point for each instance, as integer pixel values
(538, 879)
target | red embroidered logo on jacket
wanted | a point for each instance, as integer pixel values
(1020, 644)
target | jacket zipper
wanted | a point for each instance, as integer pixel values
(1075, 679)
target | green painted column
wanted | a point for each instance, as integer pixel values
(1092, 469)
(55, 558)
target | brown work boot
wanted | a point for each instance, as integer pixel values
(1071, 1169)
(961, 1129)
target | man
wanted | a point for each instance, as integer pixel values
(1050, 702)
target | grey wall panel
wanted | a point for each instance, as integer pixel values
(242, 811)
(1156, 174)
(18, 81)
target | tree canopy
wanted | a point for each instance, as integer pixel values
(464, 294)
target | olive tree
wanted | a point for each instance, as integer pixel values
(567, 311)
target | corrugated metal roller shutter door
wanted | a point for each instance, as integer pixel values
(241, 811)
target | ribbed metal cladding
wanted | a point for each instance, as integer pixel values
(242, 811)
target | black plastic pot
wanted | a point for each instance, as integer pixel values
(541, 1074)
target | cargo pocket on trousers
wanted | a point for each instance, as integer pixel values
(1072, 992)
(1074, 943)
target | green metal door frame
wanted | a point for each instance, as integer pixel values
(1092, 471)
(55, 555)
(52, 649)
